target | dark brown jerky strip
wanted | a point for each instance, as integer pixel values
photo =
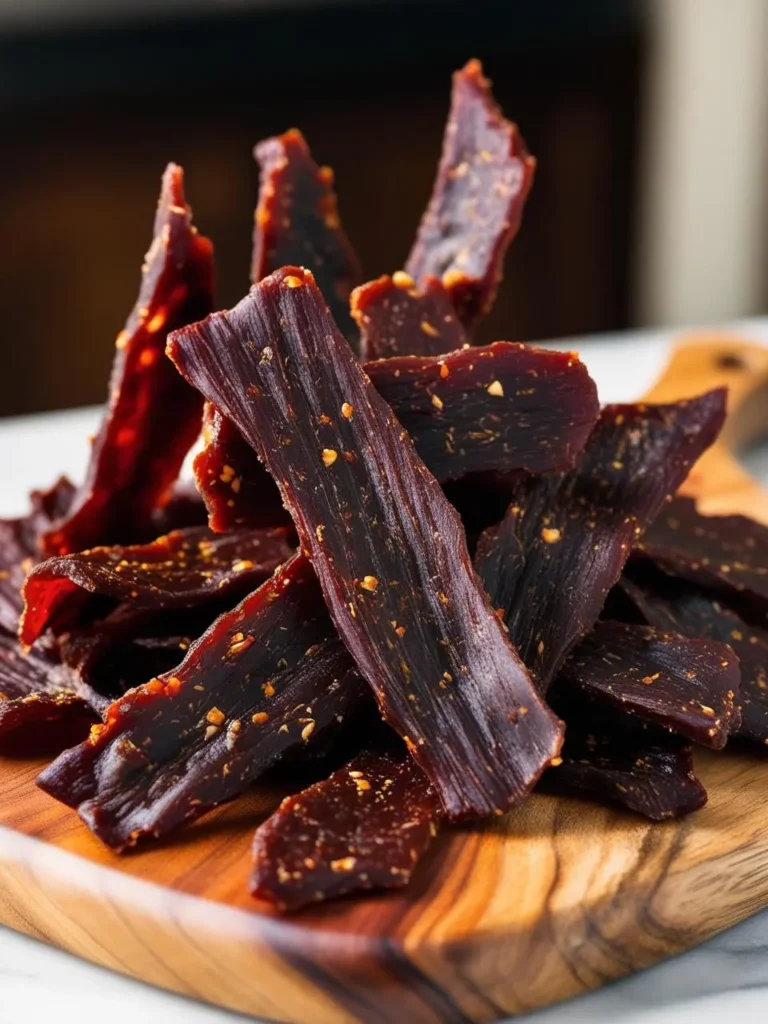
(398, 317)
(674, 604)
(297, 221)
(502, 407)
(482, 183)
(152, 418)
(181, 570)
(387, 547)
(20, 549)
(552, 560)
(363, 828)
(645, 769)
(267, 677)
(686, 686)
(725, 553)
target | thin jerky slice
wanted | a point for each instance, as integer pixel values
(363, 828)
(151, 419)
(503, 407)
(645, 770)
(398, 317)
(674, 604)
(268, 677)
(483, 180)
(686, 686)
(725, 553)
(388, 549)
(181, 570)
(297, 221)
(552, 560)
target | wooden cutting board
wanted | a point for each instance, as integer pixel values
(557, 898)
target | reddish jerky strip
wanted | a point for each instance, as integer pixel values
(397, 317)
(181, 570)
(267, 677)
(365, 827)
(152, 418)
(388, 549)
(673, 604)
(297, 221)
(503, 407)
(552, 560)
(725, 553)
(482, 184)
(686, 686)
(606, 759)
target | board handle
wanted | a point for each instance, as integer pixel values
(698, 363)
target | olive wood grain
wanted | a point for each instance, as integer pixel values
(554, 899)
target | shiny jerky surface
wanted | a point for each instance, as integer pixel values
(388, 549)
(265, 677)
(152, 418)
(687, 686)
(552, 560)
(365, 827)
(483, 180)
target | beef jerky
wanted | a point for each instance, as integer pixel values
(564, 540)
(363, 828)
(482, 184)
(183, 508)
(398, 317)
(674, 604)
(20, 548)
(388, 549)
(686, 686)
(181, 570)
(726, 553)
(152, 418)
(267, 677)
(502, 407)
(297, 221)
(609, 760)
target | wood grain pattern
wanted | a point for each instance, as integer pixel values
(556, 898)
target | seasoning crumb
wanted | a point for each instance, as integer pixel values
(347, 411)
(329, 456)
(550, 535)
(369, 583)
(496, 389)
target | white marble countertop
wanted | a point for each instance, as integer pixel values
(724, 979)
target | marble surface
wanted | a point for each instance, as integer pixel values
(724, 979)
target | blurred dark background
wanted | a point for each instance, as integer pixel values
(93, 105)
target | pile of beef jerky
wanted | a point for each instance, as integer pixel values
(442, 565)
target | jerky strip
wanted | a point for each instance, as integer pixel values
(502, 407)
(724, 553)
(388, 549)
(397, 317)
(297, 221)
(674, 604)
(552, 560)
(268, 676)
(152, 418)
(181, 570)
(645, 770)
(686, 686)
(482, 184)
(363, 828)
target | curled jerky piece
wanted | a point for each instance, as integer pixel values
(482, 183)
(267, 677)
(151, 419)
(642, 768)
(552, 560)
(365, 827)
(398, 317)
(388, 549)
(674, 604)
(686, 686)
(297, 221)
(725, 553)
(183, 569)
